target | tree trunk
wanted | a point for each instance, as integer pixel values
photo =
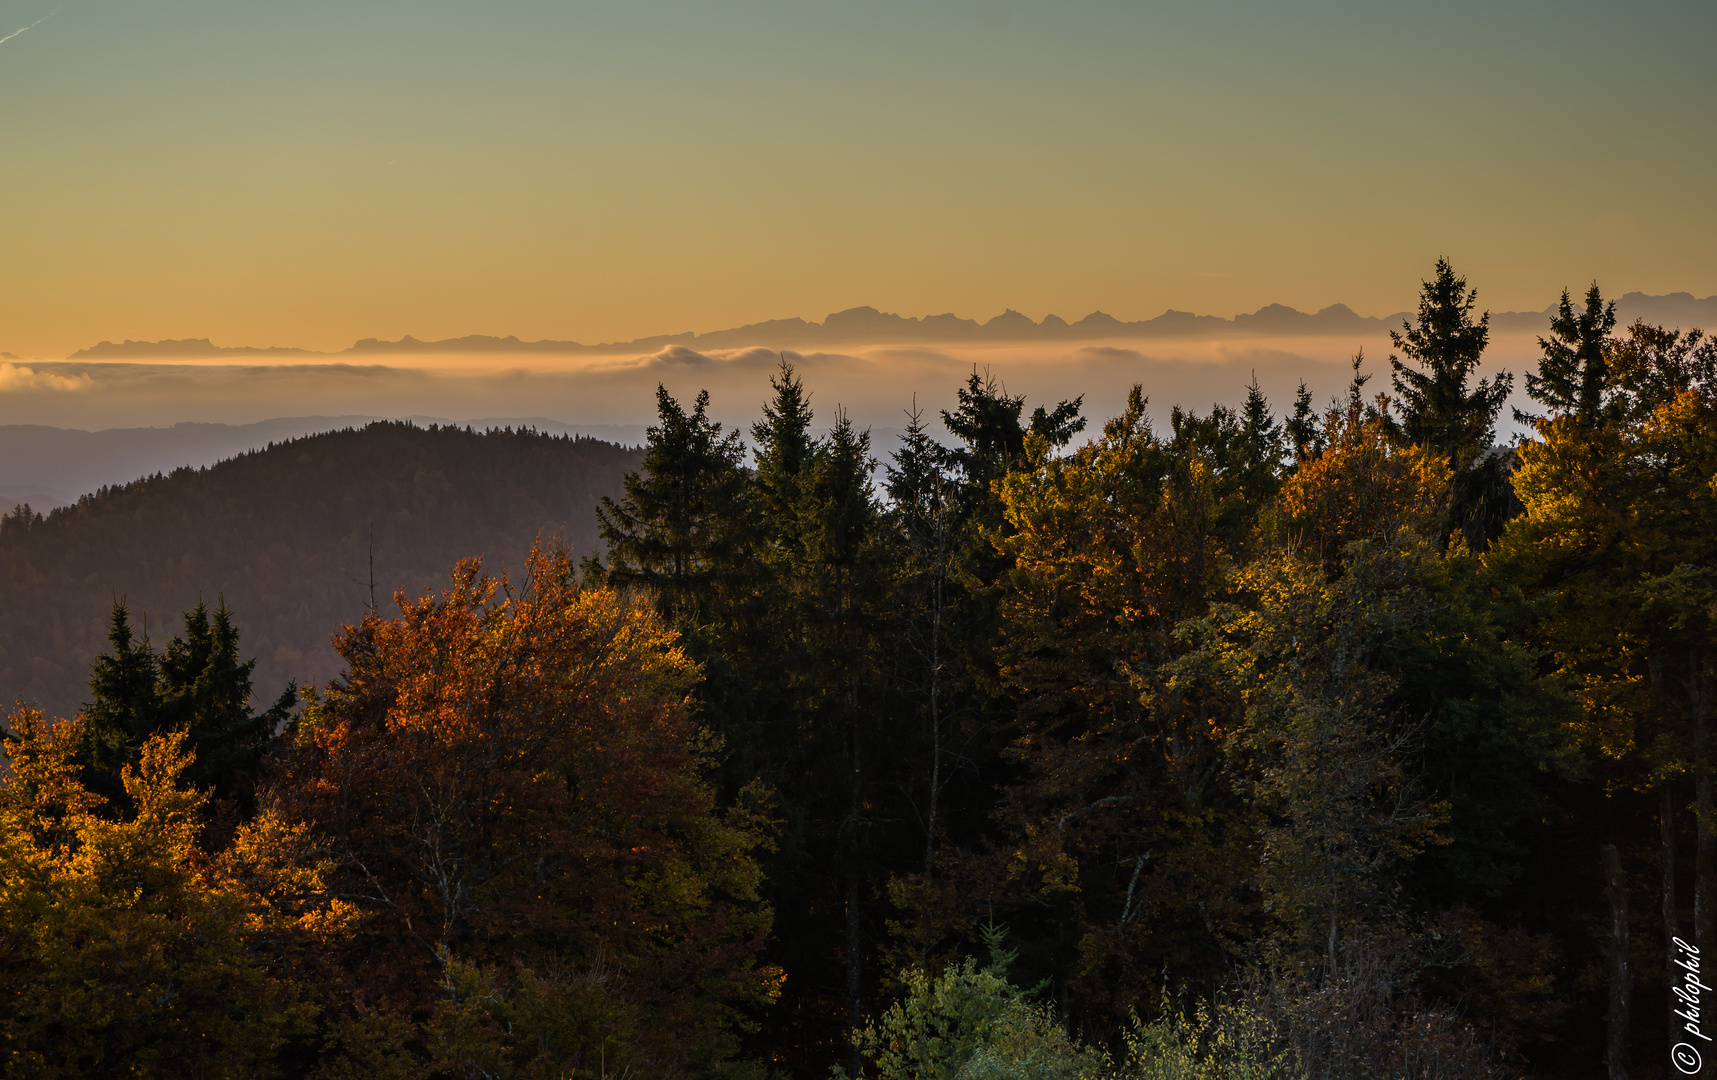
(938, 609)
(1621, 983)
(855, 940)
(855, 975)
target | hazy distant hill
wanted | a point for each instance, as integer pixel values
(286, 535)
(865, 325)
(48, 467)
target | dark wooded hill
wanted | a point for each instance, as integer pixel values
(286, 534)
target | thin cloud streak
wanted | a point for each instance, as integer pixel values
(32, 26)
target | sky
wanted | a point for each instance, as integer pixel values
(315, 172)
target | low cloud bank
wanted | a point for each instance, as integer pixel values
(613, 395)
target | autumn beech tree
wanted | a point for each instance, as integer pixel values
(516, 789)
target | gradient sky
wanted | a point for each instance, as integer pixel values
(312, 172)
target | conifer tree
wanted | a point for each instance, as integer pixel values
(923, 511)
(841, 579)
(197, 686)
(681, 531)
(1304, 430)
(783, 449)
(205, 691)
(916, 485)
(1573, 378)
(1261, 444)
(1442, 412)
(123, 709)
(987, 422)
(1438, 409)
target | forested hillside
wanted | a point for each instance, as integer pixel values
(289, 536)
(1273, 743)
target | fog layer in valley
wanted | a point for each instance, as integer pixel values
(222, 407)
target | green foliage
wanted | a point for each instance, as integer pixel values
(528, 1025)
(1270, 711)
(971, 1023)
(196, 686)
(121, 950)
(1230, 1040)
(1320, 748)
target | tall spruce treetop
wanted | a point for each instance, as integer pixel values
(205, 691)
(1438, 410)
(1574, 374)
(916, 484)
(782, 444)
(682, 528)
(987, 422)
(838, 507)
(122, 710)
(1262, 442)
(1304, 429)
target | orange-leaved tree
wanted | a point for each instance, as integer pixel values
(516, 787)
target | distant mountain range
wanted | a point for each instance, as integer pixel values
(867, 325)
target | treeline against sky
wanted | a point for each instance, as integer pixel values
(292, 536)
(1332, 742)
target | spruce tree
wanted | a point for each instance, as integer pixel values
(1261, 445)
(1443, 413)
(1574, 376)
(1439, 411)
(205, 691)
(916, 485)
(782, 447)
(123, 707)
(842, 584)
(922, 515)
(682, 529)
(197, 685)
(1304, 430)
(987, 422)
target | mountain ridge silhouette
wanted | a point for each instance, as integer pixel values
(869, 325)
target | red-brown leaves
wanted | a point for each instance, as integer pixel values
(513, 780)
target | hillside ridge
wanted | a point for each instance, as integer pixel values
(289, 535)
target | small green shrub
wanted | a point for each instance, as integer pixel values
(1230, 1041)
(971, 1023)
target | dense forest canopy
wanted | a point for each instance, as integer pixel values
(1329, 743)
(292, 538)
